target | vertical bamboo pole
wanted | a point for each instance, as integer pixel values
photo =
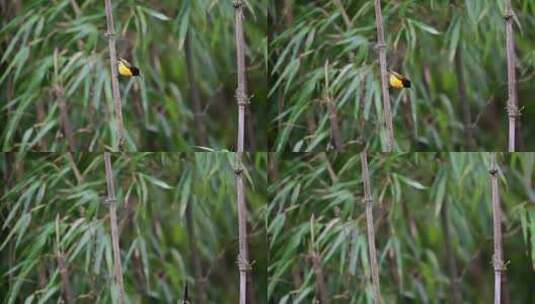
(497, 259)
(381, 46)
(241, 97)
(114, 75)
(368, 200)
(241, 91)
(512, 101)
(111, 200)
(66, 290)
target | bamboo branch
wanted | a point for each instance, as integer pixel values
(381, 46)
(111, 200)
(194, 93)
(336, 138)
(368, 200)
(321, 288)
(343, 12)
(64, 273)
(497, 260)
(241, 90)
(114, 76)
(512, 101)
(64, 118)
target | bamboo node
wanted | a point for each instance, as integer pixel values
(109, 34)
(498, 264)
(238, 171)
(237, 3)
(380, 45)
(512, 111)
(109, 201)
(243, 264)
(367, 200)
(241, 97)
(493, 171)
(508, 16)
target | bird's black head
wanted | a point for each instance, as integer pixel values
(135, 71)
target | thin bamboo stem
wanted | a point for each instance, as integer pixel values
(241, 90)
(336, 138)
(387, 112)
(241, 96)
(321, 288)
(112, 201)
(114, 75)
(368, 200)
(497, 260)
(65, 282)
(512, 101)
(243, 256)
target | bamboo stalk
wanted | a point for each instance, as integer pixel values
(243, 256)
(114, 75)
(194, 93)
(381, 46)
(64, 118)
(336, 138)
(111, 200)
(65, 283)
(241, 91)
(368, 200)
(512, 101)
(241, 96)
(497, 260)
(321, 288)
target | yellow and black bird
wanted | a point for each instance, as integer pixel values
(398, 81)
(126, 69)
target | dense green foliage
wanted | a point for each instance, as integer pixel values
(321, 51)
(45, 208)
(52, 51)
(316, 208)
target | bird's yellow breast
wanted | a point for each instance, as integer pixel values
(395, 82)
(124, 70)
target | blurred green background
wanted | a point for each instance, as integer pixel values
(55, 62)
(55, 202)
(430, 209)
(442, 46)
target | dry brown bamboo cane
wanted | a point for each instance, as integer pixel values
(112, 200)
(114, 75)
(381, 46)
(368, 200)
(512, 101)
(497, 259)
